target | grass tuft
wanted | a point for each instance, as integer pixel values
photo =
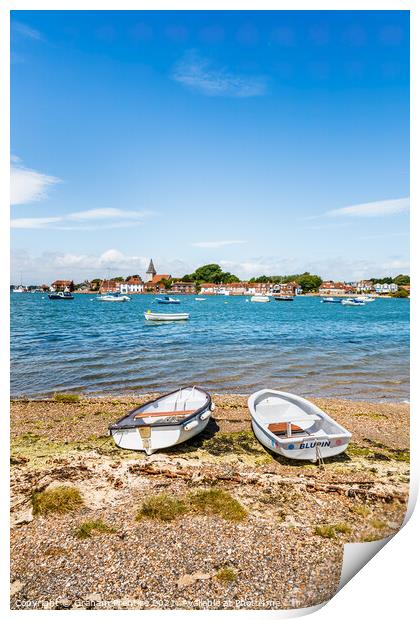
(227, 575)
(86, 529)
(162, 507)
(218, 502)
(377, 524)
(60, 499)
(66, 398)
(240, 442)
(361, 510)
(331, 531)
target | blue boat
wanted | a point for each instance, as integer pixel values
(61, 295)
(331, 300)
(167, 300)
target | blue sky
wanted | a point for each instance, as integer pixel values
(270, 142)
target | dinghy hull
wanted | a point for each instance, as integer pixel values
(164, 422)
(301, 450)
(295, 428)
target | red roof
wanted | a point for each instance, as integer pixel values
(158, 277)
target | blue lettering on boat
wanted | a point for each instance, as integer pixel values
(313, 444)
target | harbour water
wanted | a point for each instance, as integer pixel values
(228, 345)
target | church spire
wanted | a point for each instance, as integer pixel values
(151, 272)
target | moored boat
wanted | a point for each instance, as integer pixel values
(331, 300)
(200, 299)
(61, 295)
(166, 421)
(366, 298)
(167, 300)
(295, 428)
(161, 316)
(283, 297)
(352, 302)
(259, 297)
(113, 297)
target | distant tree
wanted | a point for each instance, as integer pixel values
(95, 284)
(133, 276)
(387, 280)
(402, 279)
(71, 286)
(227, 278)
(308, 282)
(400, 293)
(167, 283)
(117, 279)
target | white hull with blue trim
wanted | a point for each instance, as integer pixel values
(293, 427)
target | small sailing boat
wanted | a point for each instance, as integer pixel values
(165, 421)
(283, 297)
(161, 316)
(295, 428)
(167, 300)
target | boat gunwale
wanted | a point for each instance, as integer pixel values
(257, 419)
(202, 409)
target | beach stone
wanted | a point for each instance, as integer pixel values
(22, 518)
(187, 580)
(63, 603)
(15, 587)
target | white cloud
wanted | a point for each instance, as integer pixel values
(108, 213)
(215, 244)
(198, 73)
(27, 31)
(78, 220)
(28, 185)
(52, 265)
(33, 222)
(372, 209)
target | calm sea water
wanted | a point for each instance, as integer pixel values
(228, 345)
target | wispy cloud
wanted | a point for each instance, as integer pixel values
(198, 73)
(49, 266)
(79, 220)
(28, 185)
(215, 244)
(27, 31)
(380, 208)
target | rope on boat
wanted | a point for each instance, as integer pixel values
(319, 457)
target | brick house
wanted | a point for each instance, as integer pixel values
(109, 286)
(183, 288)
(335, 288)
(156, 284)
(61, 285)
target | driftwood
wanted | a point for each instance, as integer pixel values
(346, 488)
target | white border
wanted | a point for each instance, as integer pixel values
(387, 586)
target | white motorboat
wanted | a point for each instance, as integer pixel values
(161, 316)
(167, 300)
(366, 298)
(164, 422)
(352, 302)
(295, 428)
(259, 297)
(113, 297)
(200, 299)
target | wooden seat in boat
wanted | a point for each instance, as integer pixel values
(162, 414)
(280, 428)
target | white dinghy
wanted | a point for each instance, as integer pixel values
(164, 422)
(295, 428)
(161, 316)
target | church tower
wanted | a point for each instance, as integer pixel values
(151, 272)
